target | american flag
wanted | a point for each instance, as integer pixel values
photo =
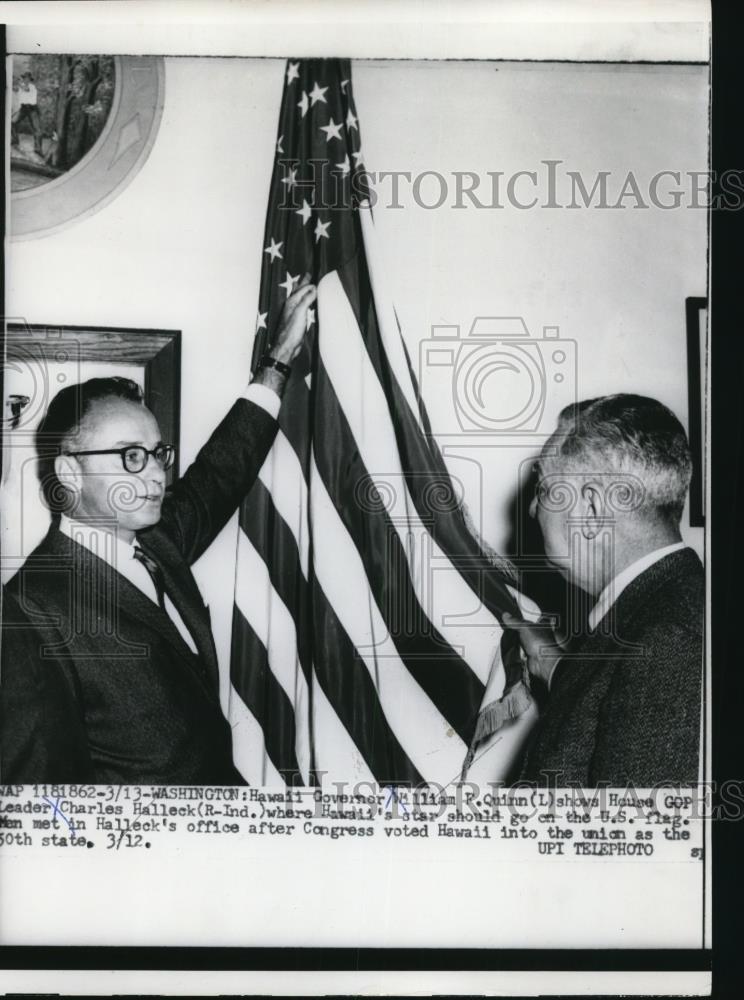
(353, 549)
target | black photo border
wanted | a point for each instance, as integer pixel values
(695, 308)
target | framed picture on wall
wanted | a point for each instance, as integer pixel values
(696, 313)
(81, 127)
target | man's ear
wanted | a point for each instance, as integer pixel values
(592, 510)
(67, 470)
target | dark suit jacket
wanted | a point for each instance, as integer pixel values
(43, 736)
(624, 706)
(147, 707)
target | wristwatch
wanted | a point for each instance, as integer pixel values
(268, 362)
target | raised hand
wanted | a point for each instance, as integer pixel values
(293, 322)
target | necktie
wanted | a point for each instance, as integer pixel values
(156, 574)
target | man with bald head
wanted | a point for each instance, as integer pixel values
(109, 658)
(625, 698)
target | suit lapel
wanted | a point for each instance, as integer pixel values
(134, 602)
(111, 592)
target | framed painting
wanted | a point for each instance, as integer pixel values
(81, 127)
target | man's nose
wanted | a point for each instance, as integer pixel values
(533, 507)
(154, 470)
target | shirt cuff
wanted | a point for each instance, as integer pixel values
(264, 397)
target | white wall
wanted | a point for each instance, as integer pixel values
(614, 281)
(181, 246)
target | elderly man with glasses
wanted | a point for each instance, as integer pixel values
(625, 695)
(115, 666)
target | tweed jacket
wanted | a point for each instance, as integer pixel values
(625, 703)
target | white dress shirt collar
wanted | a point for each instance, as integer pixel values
(618, 584)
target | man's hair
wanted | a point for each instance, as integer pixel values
(632, 436)
(62, 422)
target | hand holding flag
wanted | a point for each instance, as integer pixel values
(293, 322)
(539, 643)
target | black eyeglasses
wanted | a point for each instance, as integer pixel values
(134, 457)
